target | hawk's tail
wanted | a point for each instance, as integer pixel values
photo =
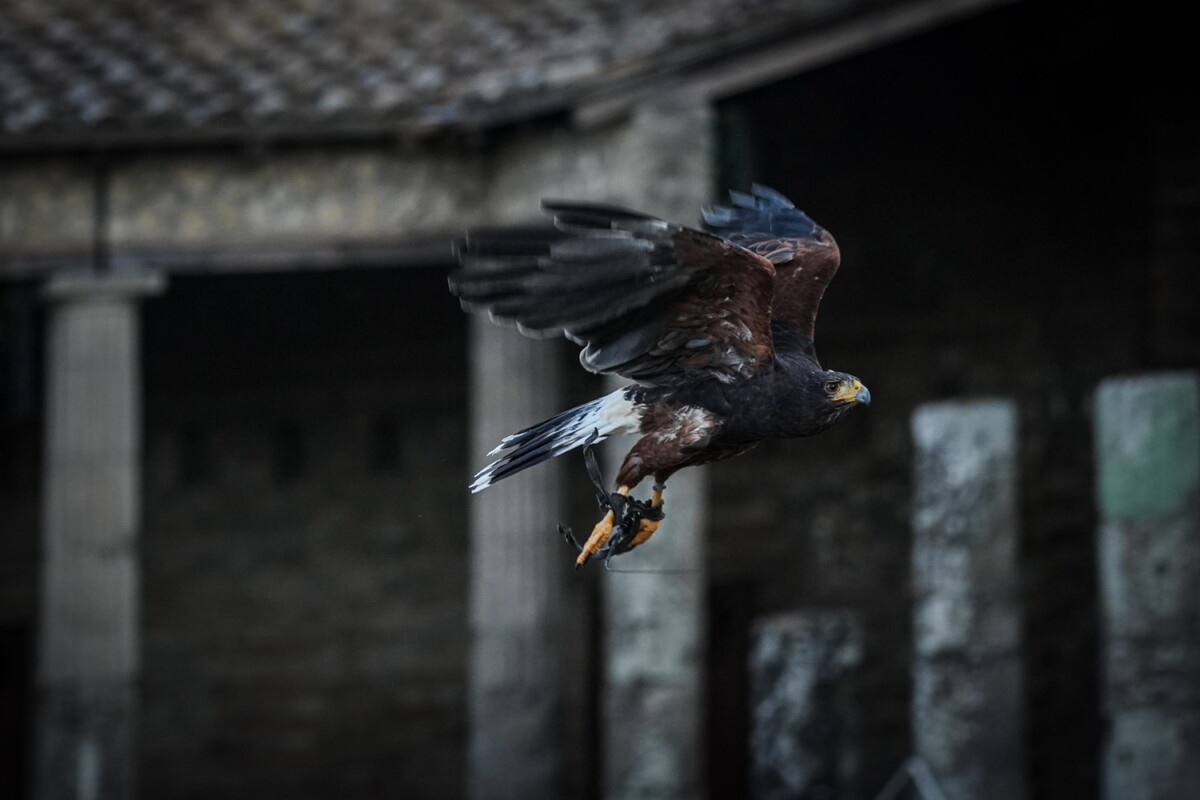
(619, 412)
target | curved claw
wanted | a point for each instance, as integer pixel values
(628, 522)
(639, 520)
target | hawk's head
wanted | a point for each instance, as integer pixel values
(825, 396)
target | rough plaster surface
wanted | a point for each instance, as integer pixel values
(516, 582)
(309, 195)
(1148, 491)
(804, 717)
(1146, 442)
(89, 631)
(967, 687)
(46, 208)
(659, 162)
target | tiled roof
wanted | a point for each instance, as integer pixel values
(84, 70)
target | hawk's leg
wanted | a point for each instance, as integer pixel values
(647, 527)
(636, 520)
(600, 534)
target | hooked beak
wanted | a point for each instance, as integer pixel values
(854, 393)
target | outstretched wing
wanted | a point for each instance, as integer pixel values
(647, 299)
(805, 255)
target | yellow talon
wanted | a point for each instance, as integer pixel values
(645, 531)
(600, 535)
(648, 526)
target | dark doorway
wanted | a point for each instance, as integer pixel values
(16, 709)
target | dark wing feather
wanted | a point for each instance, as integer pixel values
(805, 255)
(646, 299)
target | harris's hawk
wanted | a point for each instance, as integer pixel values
(715, 326)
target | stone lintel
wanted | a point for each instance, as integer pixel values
(94, 285)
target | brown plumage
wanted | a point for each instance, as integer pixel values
(715, 326)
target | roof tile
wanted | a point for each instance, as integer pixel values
(71, 67)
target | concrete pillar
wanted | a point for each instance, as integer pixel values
(517, 564)
(804, 722)
(654, 622)
(1148, 487)
(967, 697)
(659, 161)
(89, 638)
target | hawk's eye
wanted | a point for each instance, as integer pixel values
(832, 387)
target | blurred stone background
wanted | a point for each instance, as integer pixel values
(262, 195)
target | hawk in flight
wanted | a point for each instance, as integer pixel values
(714, 326)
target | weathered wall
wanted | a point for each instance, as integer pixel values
(996, 240)
(317, 627)
(46, 207)
(967, 714)
(1147, 446)
(290, 196)
(222, 200)
(647, 162)
(304, 547)
(648, 740)
(804, 738)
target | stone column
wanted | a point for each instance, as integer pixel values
(89, 638)
(659, 161)
(967, 698)
(517, 564)
(654, 624)
(655, 619)
(1148, 487)
(804, 721)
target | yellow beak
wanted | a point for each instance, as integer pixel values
(854, 393)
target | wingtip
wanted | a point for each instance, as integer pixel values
(767, 193)
(717, 215)
(741, 199)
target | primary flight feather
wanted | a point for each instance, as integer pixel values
(715, 326)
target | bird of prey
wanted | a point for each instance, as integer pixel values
(714, 326)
